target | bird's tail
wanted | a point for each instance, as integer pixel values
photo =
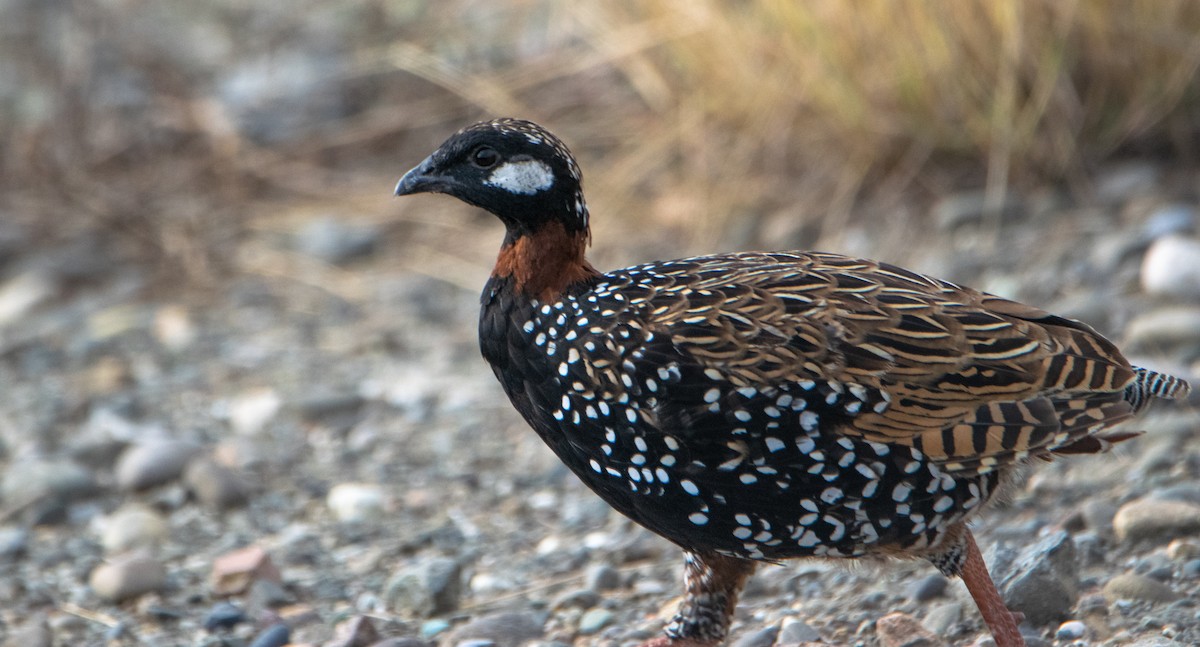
(1148, 385)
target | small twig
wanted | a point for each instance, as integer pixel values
(94, 616)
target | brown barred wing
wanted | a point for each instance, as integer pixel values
(972, 381)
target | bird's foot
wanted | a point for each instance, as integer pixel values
(663, 641)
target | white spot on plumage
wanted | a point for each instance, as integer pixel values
(523, 177)
(698, 518)
(689, 487)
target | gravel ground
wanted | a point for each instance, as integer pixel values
(279, 463)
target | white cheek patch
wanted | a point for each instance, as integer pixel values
(526, 177)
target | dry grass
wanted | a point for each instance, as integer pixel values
(719, 119)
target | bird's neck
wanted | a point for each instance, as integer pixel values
(544, 263)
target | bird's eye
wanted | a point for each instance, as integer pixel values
(485, 157)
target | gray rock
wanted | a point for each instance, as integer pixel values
(1118, 183)
(764, 637)
(1175, 218)
(1098, 515)
(795, 630)
(928, 588)
(1153, 519)
(26, 481)
(128, 577)
(34, 632)
(133, 526)
(602, 577)
(13, 542)
(594, 620)
(335, 241)
(1131, 586)
(427, 588)
(1186, 492)
(214, 485)
(277, 635)
(1191, 569)
(1163, 329)
(968, 207)
(505, 629)
(153, 462)
(1171, 267)
(942, 618)
(579, 599)
(1043, 582)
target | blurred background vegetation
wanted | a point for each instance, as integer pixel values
(183, 129)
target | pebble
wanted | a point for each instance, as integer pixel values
(505, 629)
(764, 637)
(13, 542)
(795, 630)
(1043, 583)
(1163, 329)
(1171, 267)
(358, 631)
(34, 632)
(602, 577)
(336, 242)
(128, 577)
(224, 615)
(356, 502)
(1153, 519)
(942, 618)
(1071, 630)
(1191, 569)
(968, 207)
(250, 412)
(269, 594)
(434, 627)
(235, 571)
(133, 526)
(22, 293)
(34, 480)
(902, 630)
(153, 462)
(1117, 183)
(1174, 218)
(173, 328)
(277, 635)
(928, 588)
(1098, 515)
(579, 599)
(594, 620)
(214, 485)
(1131, 586)
(1186, 492)
(430, 587)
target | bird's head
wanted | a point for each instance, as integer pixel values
(515, 169)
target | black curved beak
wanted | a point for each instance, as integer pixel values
(421, 179)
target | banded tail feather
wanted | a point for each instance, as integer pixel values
(1149, 385)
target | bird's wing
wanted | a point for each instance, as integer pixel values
(873, 351)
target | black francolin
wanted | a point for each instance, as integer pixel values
(757, 407)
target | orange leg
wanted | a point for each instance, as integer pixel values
(1002, 622)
